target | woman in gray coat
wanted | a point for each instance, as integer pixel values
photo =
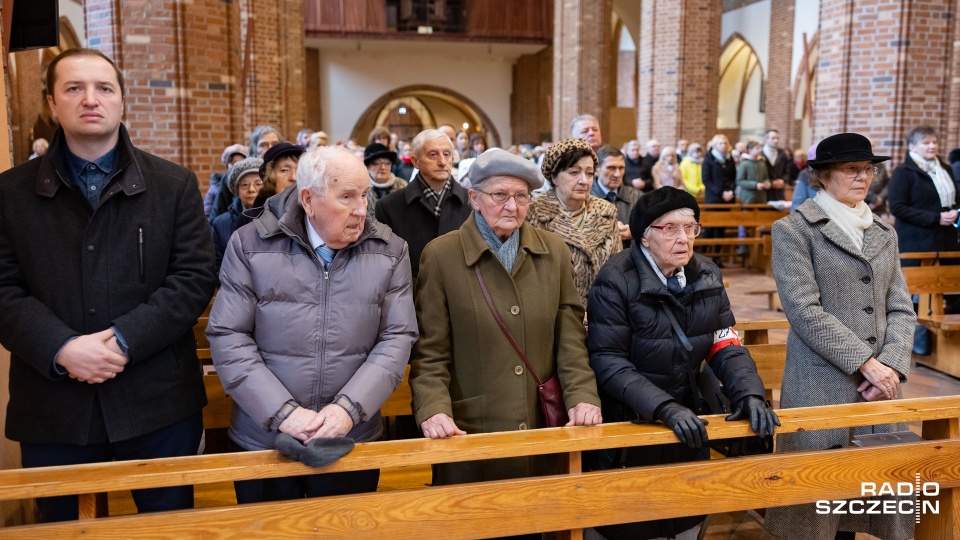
(851, 321)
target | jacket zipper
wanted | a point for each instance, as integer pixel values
(140, 247)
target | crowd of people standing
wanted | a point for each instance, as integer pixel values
(572, 268)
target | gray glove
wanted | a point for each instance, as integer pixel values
(762, 418)
(688, 427)
(317, 452)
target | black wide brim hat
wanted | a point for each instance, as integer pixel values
(377, 151)
(845, 148)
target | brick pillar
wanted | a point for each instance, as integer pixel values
(532, 87)
(679, 55)
(276, 81)
(885, 68)
(581, 62)
(183, 64)
(779, 86)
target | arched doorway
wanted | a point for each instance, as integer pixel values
(740, 111)
(432, 106)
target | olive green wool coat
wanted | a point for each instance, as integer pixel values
(465, 367)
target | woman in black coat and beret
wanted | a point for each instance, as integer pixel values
(656, 311)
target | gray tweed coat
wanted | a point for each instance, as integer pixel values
(844, 307)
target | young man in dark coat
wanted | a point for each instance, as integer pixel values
(432, 204)
(105, 264)
(777, 161)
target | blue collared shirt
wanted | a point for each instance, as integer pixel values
(603, 188)
(91, 176)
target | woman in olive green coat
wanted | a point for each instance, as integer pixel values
(465, 375)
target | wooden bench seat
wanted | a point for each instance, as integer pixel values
(568, 501)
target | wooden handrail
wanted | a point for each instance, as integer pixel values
(141, 474)
(768, 324)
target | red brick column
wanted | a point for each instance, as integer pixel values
(779, 86)
(679, 55)
(885, 67)
(183, 63)
(581, 62)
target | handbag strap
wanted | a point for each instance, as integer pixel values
(503, 327)
(676, 327)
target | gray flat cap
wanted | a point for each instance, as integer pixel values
(499, 162)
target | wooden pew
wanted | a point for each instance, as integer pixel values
(757, 220)
(569, 501)
(769, 358)
(756, 332)
(931, 282)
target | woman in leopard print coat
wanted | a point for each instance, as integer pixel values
(587, 224)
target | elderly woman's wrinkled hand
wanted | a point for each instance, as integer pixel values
(882, 377)
(870, 392)
(584, 414)
(440, 426)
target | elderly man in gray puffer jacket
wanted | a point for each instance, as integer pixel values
(313, 325)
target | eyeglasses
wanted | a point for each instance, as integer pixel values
(853, 172)
(247, 185)
(672, 230)
(501, 197)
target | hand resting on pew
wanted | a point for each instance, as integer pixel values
(440, 426)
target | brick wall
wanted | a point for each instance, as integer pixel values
(529, 102)
(581, 62)
(183, 65)
(884, 68)
(678, 61)
(778, 89)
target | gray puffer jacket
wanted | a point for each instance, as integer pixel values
(281, 328)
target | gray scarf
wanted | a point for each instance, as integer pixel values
(507, 250)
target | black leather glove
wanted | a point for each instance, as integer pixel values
(762, 418)
(685, 424)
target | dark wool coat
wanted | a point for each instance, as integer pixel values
(845, 306)
(142, 262)
(407, 213)
(780, 169)
(914, 201)
(641, 364)
(718, 177)
(463, 365)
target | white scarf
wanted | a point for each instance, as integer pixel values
(852, 221)
(941, 180)
(721, 157)
(388, 184)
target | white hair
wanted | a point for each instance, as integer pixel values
(427, 135)
(581, 118)
(680, 212)
(312, 168)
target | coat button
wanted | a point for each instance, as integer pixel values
(90, 247)
(92, 311)
(869, 310)
(523, 425)
(518, 370)
(515, 310)
(866, 279)
(871, 340)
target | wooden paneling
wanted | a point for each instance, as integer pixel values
(504, 20)
(340, 16)
(515, 18)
